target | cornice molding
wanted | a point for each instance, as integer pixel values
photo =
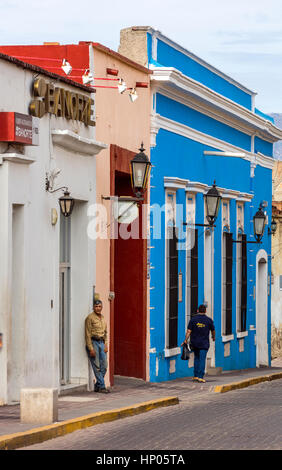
(76, 143)
(228, 150)
(16, 158)
(196, 187)
(168, 79)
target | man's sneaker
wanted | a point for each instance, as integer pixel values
(195, 379)
(201, 381)
(103, 390)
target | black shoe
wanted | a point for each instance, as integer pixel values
(103, 390)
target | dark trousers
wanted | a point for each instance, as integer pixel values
(199, 362)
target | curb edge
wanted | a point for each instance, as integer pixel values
(247, 383)
(44, 433)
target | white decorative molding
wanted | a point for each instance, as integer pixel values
(227, 338)
(76, 143)
(16, 158)
(242, 334)
(175, 182)
(172, 352)
(159, 121)
(195, 187)
(154, 130)
(225, 154)
(170, 78)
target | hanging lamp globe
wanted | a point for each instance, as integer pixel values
(66, 204)
(273, 226)
(140, 170)
(259, 220)
(212, 200)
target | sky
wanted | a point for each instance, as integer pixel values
(243, 39)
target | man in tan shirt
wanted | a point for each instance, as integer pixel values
(96, 345)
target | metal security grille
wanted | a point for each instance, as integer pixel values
(172, 287)
(244, 284)
(228, 282)
(194, 275)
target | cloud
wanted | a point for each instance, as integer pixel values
(251, 37)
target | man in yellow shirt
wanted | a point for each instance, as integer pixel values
(96, 345)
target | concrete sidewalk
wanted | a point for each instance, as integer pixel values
(128, 397)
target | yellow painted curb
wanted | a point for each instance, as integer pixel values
(247, 383)
(37, 435)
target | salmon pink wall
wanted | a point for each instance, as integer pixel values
(125, 125)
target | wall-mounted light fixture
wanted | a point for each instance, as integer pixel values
(87, 77)
(273, 227)
(66, 67)
(121, 86)
(213, 200)
(140, 167)
(259, 220)
(133, 95)
(66, 202)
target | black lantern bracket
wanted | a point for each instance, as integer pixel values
(199, 225)
(123, 198)
(65, 210)
(246, 241)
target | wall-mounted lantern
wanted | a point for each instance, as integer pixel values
(213, 200)
(273, 227)
(259, 220)
(140, 170)
(66, 202)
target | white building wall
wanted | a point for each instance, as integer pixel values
(29, 246)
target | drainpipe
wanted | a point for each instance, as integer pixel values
(252, 266)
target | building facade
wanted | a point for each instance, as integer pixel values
(205, 128)
(123, 124)
(276, 293)
(47, 272)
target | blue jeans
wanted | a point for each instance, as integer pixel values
(199, 362)
(99, 363)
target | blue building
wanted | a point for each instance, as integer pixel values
(205, 128)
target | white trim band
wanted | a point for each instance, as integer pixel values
(172, 78)
(160, 122)
(196, 187)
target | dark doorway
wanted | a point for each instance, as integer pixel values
(128, 318)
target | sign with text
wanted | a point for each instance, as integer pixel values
(19, 128)
(60, 102)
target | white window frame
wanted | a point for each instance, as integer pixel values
(168, 218)
(225, 224)
(209, 232)
(190, 219)
(240, 230)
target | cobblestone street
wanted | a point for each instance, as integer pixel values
(248, 419)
